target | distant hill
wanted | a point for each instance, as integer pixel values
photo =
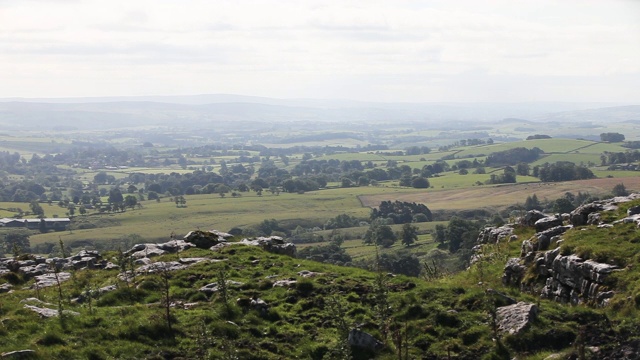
(196, 110)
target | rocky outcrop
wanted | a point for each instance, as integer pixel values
(493, 235)
(513, 271)
(530, 218)
(580, 216)
(149, 250)
(206, 239)
(566, 278)
(272, 244)
(514, 319)
(571, 279)
(51, 279)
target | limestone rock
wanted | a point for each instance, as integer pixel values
(5, 288)
(580, 216)
(548, 223)
(213, 287)
(530, 218)
(513, 272)
(273, 244)
(361, 339)
(205, 239)
(49, 313)
(493, 235)
(20, 354)
(514, 319)
(47, 280)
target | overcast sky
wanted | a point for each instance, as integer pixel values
(417, 51)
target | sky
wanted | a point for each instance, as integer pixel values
(392, 51)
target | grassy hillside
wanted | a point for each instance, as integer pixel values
(432, 318)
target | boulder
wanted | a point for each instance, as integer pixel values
(272, 244)
(49, 313)
(47, 280)
(260, 305)
(284, 283)
(161, 266)
(580, 216)
(530, 218)
(514, 319)
(634, 210)
(361, 339)
(204, 239)
(5, 288)
(20, 354)
(547, 223)
(544, 237)
(213, 287)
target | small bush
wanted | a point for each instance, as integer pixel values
(122, 296)
(50, 339)
(305, 287)
(447, 319)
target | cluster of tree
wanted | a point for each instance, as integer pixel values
(417, 150)
(15, 242)
(632, 144)
(332, 253)
(401, 212)
(458, 234)
(400, 262)
(565, 204)
(508, 176)
(538, 136)
(342, 221)
(380, 235)
(562, 171)
(612, 137)
(615, 158)
(513, 156)
(467, 142)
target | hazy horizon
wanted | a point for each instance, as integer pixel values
(394, 52)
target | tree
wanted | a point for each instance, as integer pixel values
(420, 182)
(532, 203)
(100, 178)
(620, 190)
(409, 234)
(16, 240)
(115, 196)
(36, 209)
(381, 235)
(130, 201)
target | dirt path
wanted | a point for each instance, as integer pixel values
(502, 195)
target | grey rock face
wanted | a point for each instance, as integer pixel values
(493, 235)
(513, 272)
(574, 280)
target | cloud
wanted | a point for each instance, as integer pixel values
(271, 47)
